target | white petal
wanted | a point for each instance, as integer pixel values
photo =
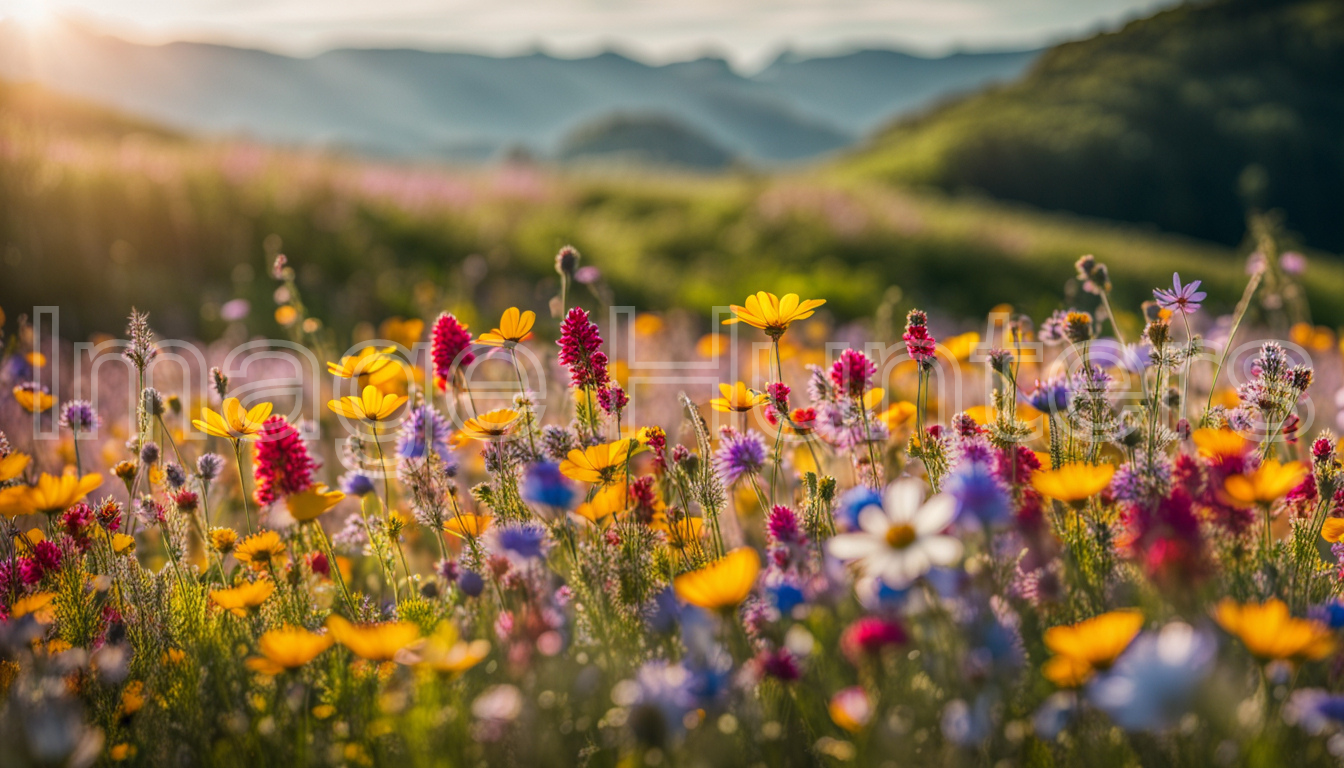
(852, 546)
(940, 550)
(873, 520)
(934, 516)
(902, 498)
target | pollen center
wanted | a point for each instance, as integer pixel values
(900, 536)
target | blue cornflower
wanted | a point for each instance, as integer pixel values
(356, 484)
(544, 484)
(852, 502)
(523, 540)
(979, 494)
(1314, 710)
(425, 428)
(785, 595)
(1181, 299)
(1050, 396)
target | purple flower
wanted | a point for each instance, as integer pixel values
(1293, 263)
(1182, 299)
(425, 429)
(79, 416)
(1050, 396)
(739, 454)
(979, 494)
(523, 540)
(356, 484)
(209, 465)
(235, 310)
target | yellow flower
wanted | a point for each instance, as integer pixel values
(1270, 481)
(1219, 443)
(491, 425)
(681, 533)
(375, 642)
(234, 423)
(371, 405)
(1088, 646)
(132, 697)
(122, 543)
(369, 360)
(647, 324)
(38, 604)
(712, 344)
(598, 463)
(961, 347)
(1270, 633)
(1073, 483)
(873, 397)
(33, 400)
(311, 503)
(608, 500)
(771, 313)
(445, 652)
(404, 332)
(514, 327)
(260, 550)
(465, 525)
(223, 540)
(50, 495)
(287, 648)
(239, 599)
(897, 414)
(722, 584)
(737, 398)
(13, 465)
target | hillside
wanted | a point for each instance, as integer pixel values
(1182, 120)
(461, 106)
(643, 140)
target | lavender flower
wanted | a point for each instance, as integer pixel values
(425, 429)
(79, 416)
(739, 455)
(1181, 299)
(208, 466)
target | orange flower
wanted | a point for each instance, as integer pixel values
(1089, 646)
(1270, 633)
(375, 642)
(1073, 483)
(722, 584)
(490, 426)
(287, 648)
(598, 463)
(1269, 482)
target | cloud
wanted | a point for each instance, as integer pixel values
(745, 30)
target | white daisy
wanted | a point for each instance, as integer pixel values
(901, 540)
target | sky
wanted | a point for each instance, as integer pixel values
(747, 32)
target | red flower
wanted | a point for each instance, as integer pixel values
(283, 465)
(450, 348)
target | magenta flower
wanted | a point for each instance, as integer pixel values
(450, 347)
(1183, 299)
(852, 373)
(581, 351)
(283, 464)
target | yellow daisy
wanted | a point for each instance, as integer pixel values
(514, 327)
(771, 313)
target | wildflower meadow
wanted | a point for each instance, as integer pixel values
(587, 535)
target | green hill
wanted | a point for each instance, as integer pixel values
(1183, 120)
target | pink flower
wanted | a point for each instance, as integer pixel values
(581, 351)
(918, 342)
(868, 636)
(450, 348)
(283, 465)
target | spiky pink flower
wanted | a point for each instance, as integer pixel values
(450, 348)
(852, 373)
(283, 465)
(783, 526)
(581, 351)
(918, 342)
(613, 399)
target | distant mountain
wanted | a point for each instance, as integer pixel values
(644, 140)
(457, 105)
(1184, 120)
(865, 89)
